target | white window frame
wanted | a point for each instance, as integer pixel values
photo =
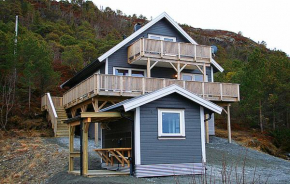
(193, 76)
(162, 37)
(180, 135)
(129, 70)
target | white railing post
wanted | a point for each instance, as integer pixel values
(143, 46)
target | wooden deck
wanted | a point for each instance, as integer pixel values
(172, 51)
(127, 86)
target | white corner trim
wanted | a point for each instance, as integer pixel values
(217, 65)
(107, 66)
(137, 140)
(141, 30)
(166, 91)
(202, 133)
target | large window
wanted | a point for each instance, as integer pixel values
(171, 123)
(129, 72)
(193, 77)
(161, 37)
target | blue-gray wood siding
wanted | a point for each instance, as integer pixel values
(155, 151)
(162, 27)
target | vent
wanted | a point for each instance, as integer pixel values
(137, 26)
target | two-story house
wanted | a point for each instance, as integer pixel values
(149, 102)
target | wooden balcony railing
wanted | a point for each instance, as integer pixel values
(144, 47)
(112, 85)
(57, 101)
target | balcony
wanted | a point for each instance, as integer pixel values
(127, 86)
(160, 50)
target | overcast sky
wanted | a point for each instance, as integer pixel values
(260, 20)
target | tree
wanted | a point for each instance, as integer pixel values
(73, 57)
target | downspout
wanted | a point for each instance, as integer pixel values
(132, 158)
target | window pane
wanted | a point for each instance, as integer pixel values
(121, 72)
(198, 78)
(155, 37)
(187, 77)
(170, 122)
(136, 73)
(168, 39)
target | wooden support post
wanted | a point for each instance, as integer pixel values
(229, 123)
(206, 129)
(85, 145)
(71, 148)
(148, 68)
(95, 103)
(178, 71)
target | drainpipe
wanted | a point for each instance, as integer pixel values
(132, 158)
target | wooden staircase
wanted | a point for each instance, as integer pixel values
(56, 114)
(62, 128)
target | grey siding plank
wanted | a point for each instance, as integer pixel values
(155, 151)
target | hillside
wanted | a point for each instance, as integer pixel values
(57, 39)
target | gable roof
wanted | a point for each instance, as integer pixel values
(149, 97)
(141, 30)
(144, 28)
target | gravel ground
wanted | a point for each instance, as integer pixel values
(260, 166)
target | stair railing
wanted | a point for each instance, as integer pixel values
(52, 112)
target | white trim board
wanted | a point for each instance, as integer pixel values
(137, 136)
(202, 133)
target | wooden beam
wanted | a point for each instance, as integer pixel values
(183, 67)
(153, 65)
(199, 69)
(73, 112)
(206, 129)
(85, 146)
(100, 114)
(103, 104)
(84, 108)
(229, 124)
(178, 71)
(173, 66)
(148, 68)
(71, 148)
(204, 73)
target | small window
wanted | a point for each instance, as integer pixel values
(129, 72)
(193, 77)
(161, 37)
(171, 123)
(121, 72)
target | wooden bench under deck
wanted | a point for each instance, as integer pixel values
(108, 154)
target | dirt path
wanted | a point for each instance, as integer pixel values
(260, 166)
(44, 160)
